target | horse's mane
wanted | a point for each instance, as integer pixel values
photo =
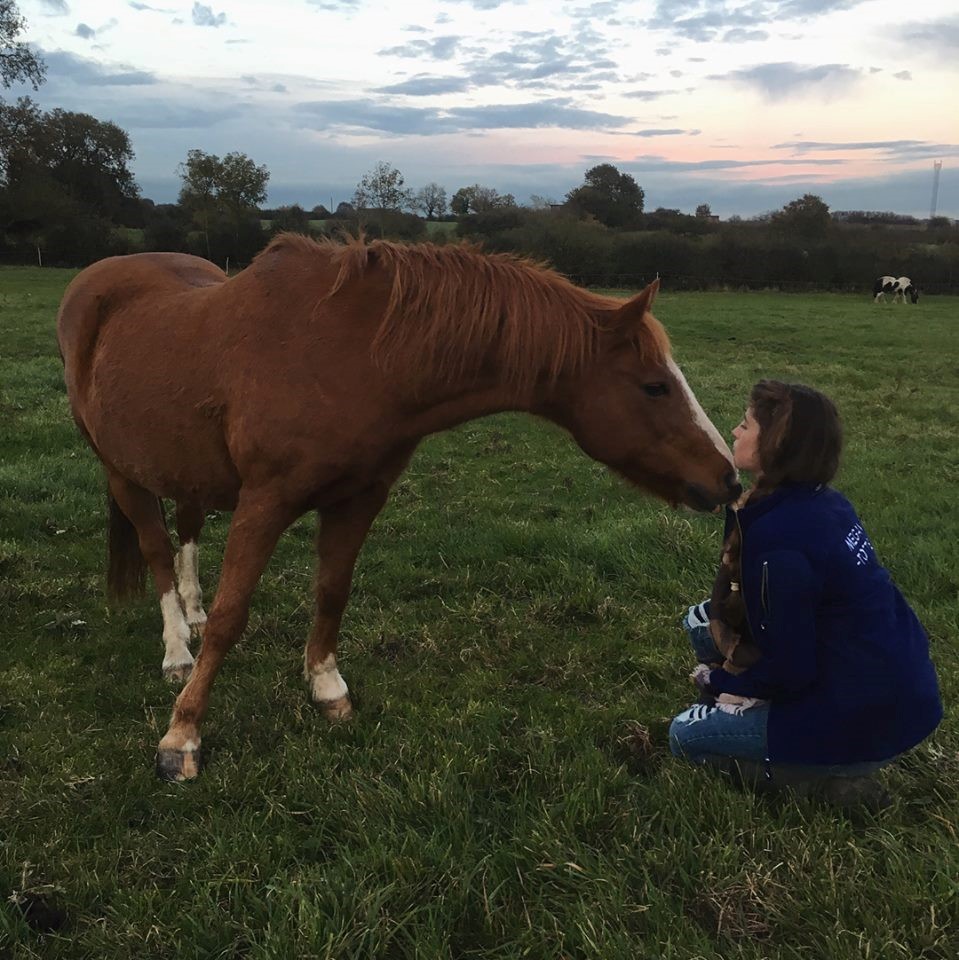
(457, 307)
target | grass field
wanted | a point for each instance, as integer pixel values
(505, 788)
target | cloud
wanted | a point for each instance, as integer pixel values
(654, 162)
(87, 33)
(485, 4)
(339, 6)
(442, 48)
(900, 149)
(145, 6)
(84, 72)
(658, 133)
(805, 9)
(161, 115)
(547, 113)
(431, 121)
(57, 8)
(903, 75)
(203, 16)
(739, 35)
(601, 8)
(781, 81)
(705, 20)
(369, 115)
(938, 39)
(529, 60)
(647, 95)
(424, 86)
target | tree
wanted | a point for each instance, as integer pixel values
(381, 189)
(613, 198)
(242, 184)
(292, 219)
(63, 179)
(478, 199)
(703, 210)
(228, 191)
(539, 202)
(89, 158)
(17, 61)
(166, 229)
(18, 125)
(807, 217)
(431, 199)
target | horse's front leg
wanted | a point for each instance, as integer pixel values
(342, 530)
(256, 526)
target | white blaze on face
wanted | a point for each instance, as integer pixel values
(704, 422)
(176, 633)
(326, 684)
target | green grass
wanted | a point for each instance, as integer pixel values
(505, 789)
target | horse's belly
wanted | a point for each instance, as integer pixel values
(174, 449)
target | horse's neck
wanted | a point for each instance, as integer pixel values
(446, 406)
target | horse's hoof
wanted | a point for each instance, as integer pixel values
(335, 710)
(178, 765)
(177, 672)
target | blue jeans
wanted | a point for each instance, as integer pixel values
(702, 732)
(705, 731)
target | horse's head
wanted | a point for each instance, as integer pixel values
(632, 409)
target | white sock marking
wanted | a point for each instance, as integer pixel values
(325, 681)
(176, 633)
(188, 583)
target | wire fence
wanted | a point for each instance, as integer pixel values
(677, 282)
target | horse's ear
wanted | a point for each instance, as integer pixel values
(631, 313)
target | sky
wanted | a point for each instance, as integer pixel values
(744, 105)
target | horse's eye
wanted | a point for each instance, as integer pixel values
(656, 389)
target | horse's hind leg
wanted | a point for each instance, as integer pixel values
(143, 510)
(189, 523)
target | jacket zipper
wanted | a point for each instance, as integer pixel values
(764, 590)
(764, 586)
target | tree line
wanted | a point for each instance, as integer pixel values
(68, 197)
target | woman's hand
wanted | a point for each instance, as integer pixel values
(700, 677)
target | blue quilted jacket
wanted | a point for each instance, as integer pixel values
(845, 660)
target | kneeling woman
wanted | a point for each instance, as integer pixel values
(841, 681)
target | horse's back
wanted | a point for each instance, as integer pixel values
(135, 367)
(108, 285)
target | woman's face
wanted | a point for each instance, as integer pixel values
(746, 444)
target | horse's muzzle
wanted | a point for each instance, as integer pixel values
(701, 499)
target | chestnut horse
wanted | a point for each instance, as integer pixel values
(307, 381)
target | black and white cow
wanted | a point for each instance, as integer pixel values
(899, 287)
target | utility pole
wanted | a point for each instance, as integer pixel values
(936, 170)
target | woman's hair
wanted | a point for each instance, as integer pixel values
(800, 434)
